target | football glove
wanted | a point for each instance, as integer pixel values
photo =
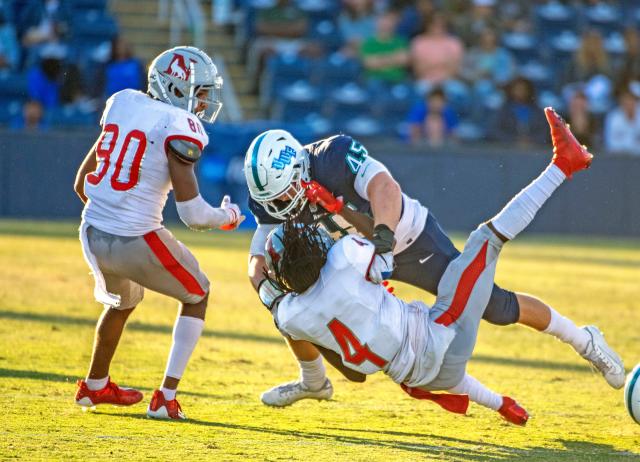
(382, 265)
(381, 268)
(233, 211)
(318, 194)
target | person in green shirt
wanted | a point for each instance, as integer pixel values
(386, 55)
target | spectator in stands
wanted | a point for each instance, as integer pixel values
(413, 14)
(9, 47)
(279, 29)
(590, 59)
(519, 120)
(32, 117)
(357, 23)
(124, 70)
(488, 61)
(43, 21)
(482, 16)
(54, 82)
(622, 124)
(583, 123)
(386, 55)
(436, 56)
(432, 119)
(630, 69)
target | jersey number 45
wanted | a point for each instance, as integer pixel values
(105, 148)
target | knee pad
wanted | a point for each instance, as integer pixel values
(503, 308)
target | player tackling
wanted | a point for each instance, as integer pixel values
(329, 299)
(148, 146)
(286, 178)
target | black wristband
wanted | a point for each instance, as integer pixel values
(383, 239)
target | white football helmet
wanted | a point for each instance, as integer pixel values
(275, 166)
(187, 78)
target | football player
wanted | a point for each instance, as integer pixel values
(149, 145)
(329, 298)
(285, 178)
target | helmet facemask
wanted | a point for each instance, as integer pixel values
(293, 199)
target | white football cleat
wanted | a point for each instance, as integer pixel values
(603, 358)
(288, 393)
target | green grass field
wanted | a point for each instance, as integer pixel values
(47, 317)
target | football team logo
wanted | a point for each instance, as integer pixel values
(178, 67)
(284, 158)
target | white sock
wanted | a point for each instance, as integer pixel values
(518, 213)
(96, 384)
(564, 329)
(186, 333)
(168, 393)
(477, 392)
(313, 373)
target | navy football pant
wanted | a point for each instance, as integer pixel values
(424, 262)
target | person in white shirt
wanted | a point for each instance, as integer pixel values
(622, 125)
(149, 145)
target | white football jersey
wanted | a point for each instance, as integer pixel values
(370, 328)
(129, 188)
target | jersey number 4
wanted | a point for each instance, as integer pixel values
(105, 148)
(353, 351)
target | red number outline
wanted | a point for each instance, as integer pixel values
(134, 172)
(345, 337)
(104, 154)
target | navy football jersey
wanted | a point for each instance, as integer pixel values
(334, 162)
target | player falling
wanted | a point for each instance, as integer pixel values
(148, 146)
(286, 178)
(331, 302)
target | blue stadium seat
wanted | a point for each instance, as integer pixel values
(9, 110)
(296, 101)
(553, 18)
(320, 10)
(97, 5)
(326, 34)
(282, 70)
(346, 103)
(522, 45)
(539, 74)
(459, 96)
(93, 26)
(337, 70)
(320, 126)
(605, 18)
(363, 126)
(468, 131)
(13, 86)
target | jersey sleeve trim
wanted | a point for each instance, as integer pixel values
(191, 139)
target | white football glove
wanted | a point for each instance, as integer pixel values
(268, 293)
(381, 268)
(233, 212)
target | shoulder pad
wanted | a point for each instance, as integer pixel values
(187, 150)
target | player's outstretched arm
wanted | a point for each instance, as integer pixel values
(87, 166)
(193, 210)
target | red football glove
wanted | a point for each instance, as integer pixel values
(318, 194)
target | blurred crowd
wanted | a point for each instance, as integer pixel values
(427, 71)
(59, 61)
(436, 71)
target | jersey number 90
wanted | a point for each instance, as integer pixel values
(105, 148)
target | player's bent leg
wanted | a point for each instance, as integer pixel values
(312, 383)
(479, 393)
(186, 333)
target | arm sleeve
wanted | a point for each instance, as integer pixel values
(260, 238)
(370, 168)
(198, 215)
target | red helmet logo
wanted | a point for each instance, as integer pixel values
(178, 67)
